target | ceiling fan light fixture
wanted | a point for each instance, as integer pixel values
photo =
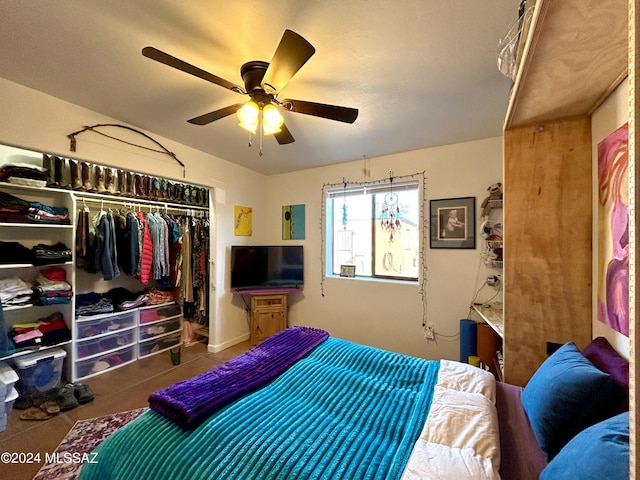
(271, 120)
(248, 116)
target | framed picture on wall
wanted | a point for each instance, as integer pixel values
(453, 223)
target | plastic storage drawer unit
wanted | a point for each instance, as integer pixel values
(95, 365)
(105, 323)
(104, 343)
(8, 379)
(160, 328)
(159, 312)
(40, 371)
(159, 344)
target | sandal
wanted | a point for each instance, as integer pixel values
(34, 413)
(50, 407)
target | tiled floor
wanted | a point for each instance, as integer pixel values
(122, 389)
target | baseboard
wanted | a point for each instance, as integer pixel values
(228, 344)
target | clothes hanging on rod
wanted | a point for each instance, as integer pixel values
(170, 248)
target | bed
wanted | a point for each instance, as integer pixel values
(304, 405)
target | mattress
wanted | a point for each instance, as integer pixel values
(343, 411)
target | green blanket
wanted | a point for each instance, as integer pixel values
(345, 411)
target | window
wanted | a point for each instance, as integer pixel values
(376, 228)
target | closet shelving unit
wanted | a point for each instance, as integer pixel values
(29, 235)
(103, 342)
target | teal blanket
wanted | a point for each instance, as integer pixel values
(345, 411)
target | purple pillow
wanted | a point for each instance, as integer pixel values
(605, 358)
(602, 355)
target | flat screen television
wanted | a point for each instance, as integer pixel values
(266, 266)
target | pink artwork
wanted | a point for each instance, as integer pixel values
(613, 231)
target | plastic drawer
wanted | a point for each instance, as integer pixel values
(103, 363)
(101, 324)
(104, 343)
(159, 312)
(159, 344)
(150, 330)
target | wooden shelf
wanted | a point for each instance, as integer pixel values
(493, 316)
(575, 55)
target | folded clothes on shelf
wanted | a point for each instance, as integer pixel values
(139, 301)
(49, 254)
(13, 203)
(157, 297)
(47, 331)
(104, 305)
(24, 171)
(15, 291)
(16, 210)
(52, 288)
(14, 252)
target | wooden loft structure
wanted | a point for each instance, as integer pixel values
(576, 53)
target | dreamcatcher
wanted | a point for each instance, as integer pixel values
(390, 212)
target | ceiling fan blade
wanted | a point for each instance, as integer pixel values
(284, 135)
(332, 112)
(292, 53)
(162, 57)
(215, 115)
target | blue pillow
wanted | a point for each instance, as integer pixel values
(565, 395)
(600, 451)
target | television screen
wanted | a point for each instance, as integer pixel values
(266, 267)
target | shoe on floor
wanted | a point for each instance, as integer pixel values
(65, 397)
(30, 400)
(82, 392)
(34, 413)
(50, 407)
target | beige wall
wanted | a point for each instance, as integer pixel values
(383, 314)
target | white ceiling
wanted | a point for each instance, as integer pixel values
(421, 72)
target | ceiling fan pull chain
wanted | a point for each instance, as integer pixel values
(261, 135)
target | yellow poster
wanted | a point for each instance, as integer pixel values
(243, 221)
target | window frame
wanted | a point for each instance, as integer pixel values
(335, 192)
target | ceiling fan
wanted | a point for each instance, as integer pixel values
(263, 82)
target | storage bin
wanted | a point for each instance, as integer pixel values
(40, 371)
(10, 400)
(104, 343)
(106, 323)
(159, 312)
(95, 365)
(159, 344)
(8, 379)
(159, 328)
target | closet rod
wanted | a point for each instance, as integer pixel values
(97, 198)
(155, 206)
